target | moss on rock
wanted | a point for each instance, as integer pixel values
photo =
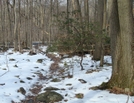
(49, 97)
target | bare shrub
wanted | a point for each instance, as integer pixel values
(53, 57)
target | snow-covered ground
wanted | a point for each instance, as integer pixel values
(21, 70)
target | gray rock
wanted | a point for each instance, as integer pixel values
(82, 81)
(51, 88)
(11, 59)
(49, 97)
(79, 95)
(15, 66)
(29, 78)
(55, 80)
(21, 81)
(39, 60)
(68, 84)
(22, 90)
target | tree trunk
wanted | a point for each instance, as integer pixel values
(42, 12)
(86, 9)
(50, 23)
(15, 27)
(122, 34)
(3, 22)
(10, 21)
(103, 29)
(78, 16)
(19, 24)
(68, 16)
(77, 7)
(98, 44)
(31, 23)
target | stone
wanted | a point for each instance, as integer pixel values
(49, 97)
(51, 88)
(29, 78)
(39, 60)
(55, 80)
(22, 90)
(11, 59)
(21, 81)
(15, 66)
(79, 95)
(4, 69)
(68, 84)
(82, 81)
(32, 53)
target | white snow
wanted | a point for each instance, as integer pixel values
(24, 65)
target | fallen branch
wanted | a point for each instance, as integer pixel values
(127, 99)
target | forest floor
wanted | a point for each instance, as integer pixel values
(24, 76)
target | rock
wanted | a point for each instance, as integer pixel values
(91, 71)
(85, 63)
(68, 84)
(49, 97)
(4, 69)
(66, 100)
(66, 94)
(28, 101)
(62, 89)
(51, 88)
(36, 67)
(1, 84)
(82, 81)
(28, 60)
(22, 90)
(21, 81)
(33, 76)
(10, 53)
(11, 59)
(55, 80)
(70, 76)
(79, 95)
(29, 78)
(32, 53)
(17, 76)
(15, 66)
(39, 60)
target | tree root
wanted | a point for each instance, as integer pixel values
(115, 90)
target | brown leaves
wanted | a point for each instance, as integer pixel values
(36, 89)
(117, 90)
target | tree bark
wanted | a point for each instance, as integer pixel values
(98, 44)
(19, 26)
(103, 29)
(15, 27)
(50, 23)
(122, 34)
(86, 9)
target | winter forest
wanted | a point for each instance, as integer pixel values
(67, 51)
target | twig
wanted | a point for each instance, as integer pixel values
(6, 66)
(127, 99)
